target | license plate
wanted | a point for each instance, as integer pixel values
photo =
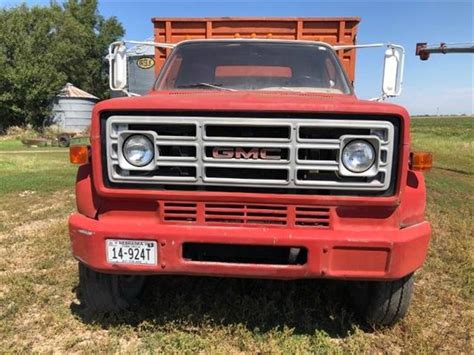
(143, 252)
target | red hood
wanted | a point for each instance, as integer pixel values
(194, 100)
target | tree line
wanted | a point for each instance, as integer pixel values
(44, 47)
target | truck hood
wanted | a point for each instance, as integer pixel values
(265, 101)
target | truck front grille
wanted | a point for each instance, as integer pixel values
(210, 213)
(235, 152)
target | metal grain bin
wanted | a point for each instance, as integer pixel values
(72, 109)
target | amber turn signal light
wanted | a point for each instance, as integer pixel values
(421, 161)
(79, 154)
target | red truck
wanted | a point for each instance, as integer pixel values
(252, 157)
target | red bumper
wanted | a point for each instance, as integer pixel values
(369, 254)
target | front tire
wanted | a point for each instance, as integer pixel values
(383, 303)
(108, 293)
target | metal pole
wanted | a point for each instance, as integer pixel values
(423, 50)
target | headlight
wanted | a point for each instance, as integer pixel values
(138, 150)
(358, 156)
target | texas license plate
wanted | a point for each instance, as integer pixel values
(120, 251)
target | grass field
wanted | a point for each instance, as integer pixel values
(39, 309)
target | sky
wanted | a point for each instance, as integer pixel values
(444, 84)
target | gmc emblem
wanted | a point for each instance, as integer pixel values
(246, 153)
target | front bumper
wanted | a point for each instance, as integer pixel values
(363, 254)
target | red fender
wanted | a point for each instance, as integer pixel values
(413, 204)
(87, 200)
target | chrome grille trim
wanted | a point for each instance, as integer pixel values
(117, 127)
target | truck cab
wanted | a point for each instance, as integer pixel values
(251, 158)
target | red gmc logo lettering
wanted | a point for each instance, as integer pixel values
(242, 153)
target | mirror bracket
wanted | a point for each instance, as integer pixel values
(393, 67)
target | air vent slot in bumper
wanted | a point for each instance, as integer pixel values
(179, 212)
(249, 214)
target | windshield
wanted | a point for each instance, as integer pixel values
(253, 65)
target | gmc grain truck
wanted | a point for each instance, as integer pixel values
(252, 157)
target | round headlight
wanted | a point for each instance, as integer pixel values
(138, 150)
(358, 156)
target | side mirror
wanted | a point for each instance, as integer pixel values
(393, 70)
(117, 66)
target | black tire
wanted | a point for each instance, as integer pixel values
(383, 303)
(64, 140)
(108, 293)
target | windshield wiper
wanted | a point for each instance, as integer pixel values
(205, 85)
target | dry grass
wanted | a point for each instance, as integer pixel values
(40, 311)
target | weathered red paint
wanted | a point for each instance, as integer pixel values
(345, 254)
(87, 201)
(368, 237)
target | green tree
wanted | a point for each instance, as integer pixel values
(42, 48)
